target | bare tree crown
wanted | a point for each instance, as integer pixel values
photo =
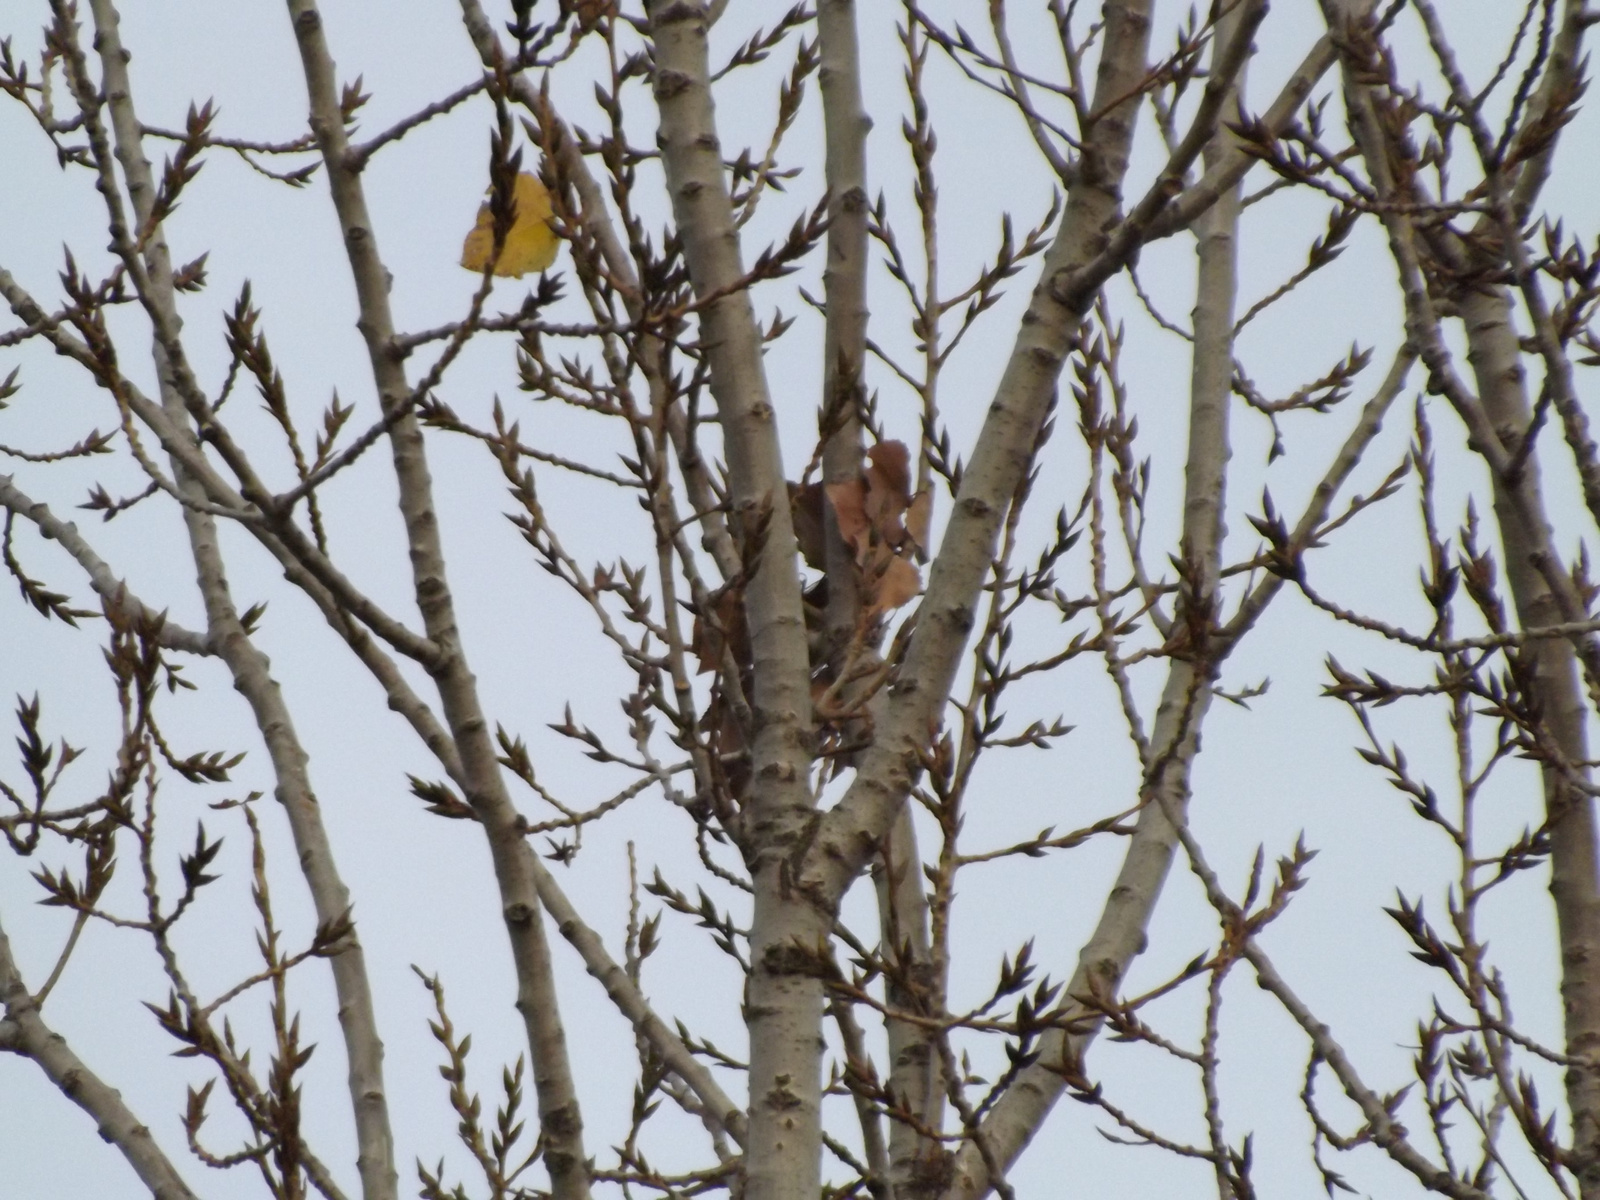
(861, 453)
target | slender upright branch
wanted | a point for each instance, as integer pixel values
(1174, 740)
(358, 1020)
(784, 1001)
(560, 1119)
(1048, 332)
(1499, 415)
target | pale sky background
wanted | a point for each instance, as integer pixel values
(422, 887)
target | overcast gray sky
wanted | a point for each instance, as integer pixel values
(424, 891)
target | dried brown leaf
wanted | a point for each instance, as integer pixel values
(805, 504)
(899, 583)
(892, 463)
(725, 628)
(849, 500)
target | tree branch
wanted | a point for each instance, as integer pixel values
(24, 1032)
(515, 866)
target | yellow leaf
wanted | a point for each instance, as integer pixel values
(530, 245)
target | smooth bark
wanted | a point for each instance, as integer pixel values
(560, 1119)
(24, 1032)
(248, 666)
(790, 927)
